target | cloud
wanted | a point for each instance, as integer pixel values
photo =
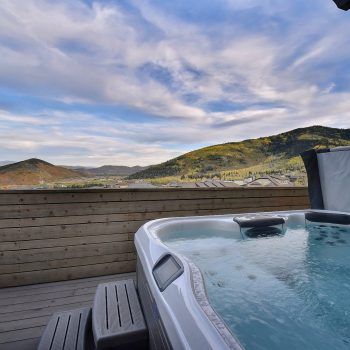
(278, 65)
(87, 143)
(5, 116)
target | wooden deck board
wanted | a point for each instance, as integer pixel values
(26, 310)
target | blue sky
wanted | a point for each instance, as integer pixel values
(139, 82)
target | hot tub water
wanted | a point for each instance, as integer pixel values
(281, 292)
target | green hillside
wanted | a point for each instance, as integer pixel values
(234, 160)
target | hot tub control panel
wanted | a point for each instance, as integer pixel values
(167, 269)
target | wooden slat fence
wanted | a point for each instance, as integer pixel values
(61, 235)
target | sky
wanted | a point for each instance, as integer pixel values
(139, 82)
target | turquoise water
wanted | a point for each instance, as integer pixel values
(284, 292)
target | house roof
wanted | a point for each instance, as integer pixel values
(271, 181)
(204, 184)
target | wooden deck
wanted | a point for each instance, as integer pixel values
(24, 311)
(52, 236)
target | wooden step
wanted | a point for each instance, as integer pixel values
(117, 319)
(68, 330)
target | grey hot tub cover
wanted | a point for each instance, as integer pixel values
(328, 172)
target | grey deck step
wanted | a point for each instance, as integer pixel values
(68, 330)
(117, 319)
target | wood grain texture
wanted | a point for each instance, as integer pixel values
(50, 235)
(68, 273)
(86, 196)
(26, 310)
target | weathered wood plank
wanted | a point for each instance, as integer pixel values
(25, 298)
(56, 287)
(47, 289)
(69, 252)
(47, 311)
(74, 230)
(26, 344)
(152, 213)
(67, 273)
(25, 313)
(42, 304)
(84, 196)
(23, 324)
(62, 242)
(102, 208)
(55, 235)
(55, 264)
(16, 335)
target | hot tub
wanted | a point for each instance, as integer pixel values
(217, 282)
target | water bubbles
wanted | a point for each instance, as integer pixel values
(220, 284)
(252, 277)
(287, 292)
(212, 273)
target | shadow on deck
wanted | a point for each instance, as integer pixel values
(25, 311)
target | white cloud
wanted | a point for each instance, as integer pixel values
(108, 48)
(15, 118)
(103, 54)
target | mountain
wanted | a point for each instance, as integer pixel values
(111, 170)
(5, 162)
(263, 155)
(33, 171)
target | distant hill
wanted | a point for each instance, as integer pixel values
(5, 162)
(33, 171)
(261, 155)
(111, 170)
